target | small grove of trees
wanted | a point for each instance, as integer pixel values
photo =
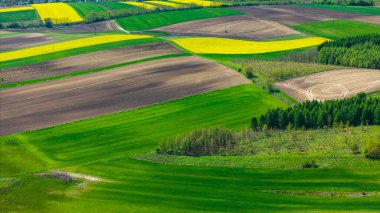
(358, 110)
(359, 51)
(200, 143)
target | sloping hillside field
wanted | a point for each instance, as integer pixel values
(76, 98)
(332, 84)
(86, 62)
(58, 13)
(230, 26)
(24, 40)
(66, 45)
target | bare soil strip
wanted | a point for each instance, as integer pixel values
(86, 62)
(22, 41)
(231, 26)
(334, 84)
(56, 102)
(292, 14)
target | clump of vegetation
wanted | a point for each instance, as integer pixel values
(273, 71)
(309, 165)
(200, 143)
(355, 111)
(218, 141)
(359, 51)
(372, 149)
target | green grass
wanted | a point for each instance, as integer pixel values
(351, 9)
(76, 51)
(8, 34)
(85, 8)
(16, 84)
(117, 6)
(18, 16)
(105, 147)
(154, 20)
(337, 28)
(375, 94)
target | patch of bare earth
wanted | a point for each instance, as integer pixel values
(24, 40)
(65, 100)
(334, 84)
(231, 26)
(292, 14)
(86, 62)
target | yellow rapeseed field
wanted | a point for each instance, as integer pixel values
(59, 13)
(66, 45)
(199, 2)
(212, 45)
(165, 3)
(14, 9)
(140, 4)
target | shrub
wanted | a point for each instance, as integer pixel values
(309, 165)
(372, 149)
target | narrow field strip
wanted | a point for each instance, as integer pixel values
(210, 45)
(19, 41)
(141, 5)
(18, 16)
(58, 13)
(66, 45)
(199, 3)
(151, 21)
(168, 4)
(14, 9)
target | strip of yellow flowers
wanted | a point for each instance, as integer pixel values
(210, 45)
(14, 9)
(59, 13)
(66, 45)
(142, 5)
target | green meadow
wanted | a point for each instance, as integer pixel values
(85, 8)
(337, 28)
(109, 147)
(352, 9)
(18, 16)
(154, 20)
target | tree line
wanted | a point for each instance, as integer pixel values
(346, 2)
(359, 51)
(355, 111)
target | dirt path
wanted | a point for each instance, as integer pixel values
(292, 14)
(231, 26)
(86, 62)
(334, 84)
(50, 103)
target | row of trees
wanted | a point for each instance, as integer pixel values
(346, 2)
(358, 110)
(359, 51)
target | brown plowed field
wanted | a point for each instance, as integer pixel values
(231, 26)
(334, 84)
(22, 41)
(86, 62)
(292, 14)
(55, 102)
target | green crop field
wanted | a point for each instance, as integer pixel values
(352, 9)
(84, 9)
(337, 28)
(117, 6)
(76, 51)
(18, 16)
(151, 21)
